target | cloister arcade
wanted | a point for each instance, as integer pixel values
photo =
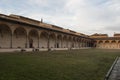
(21, 36)
(108, 44)
(18, 32)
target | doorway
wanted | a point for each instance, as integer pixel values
(30, 43)
(57, 45)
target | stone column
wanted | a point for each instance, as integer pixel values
(67, 43)
(87, 43)
(62, 42)
(27, 39)
(11, 42)
(48, 43)
(38, 41)
(56, 42)
(26, 42)
(79, 43)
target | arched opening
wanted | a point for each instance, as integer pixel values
(113, 44)
(44, 40)
(118, 41)
(65, 41)
(73, 42)
(100, 44)
(70, 42)
(113, 41)
(118, 44)
(59, 41)
(80, 42)
(5, 36)
(107, 44)
(33, 39)
(19, 38)
(94, 43)
(30, 43)
(87, 43)
(83, 42)
(77, 43)
(107, 41)
(52, 40)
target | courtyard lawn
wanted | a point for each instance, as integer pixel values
(86, 64)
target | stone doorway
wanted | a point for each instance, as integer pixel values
(30, 43)
(57, 45)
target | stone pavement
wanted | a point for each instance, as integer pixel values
(115, 74)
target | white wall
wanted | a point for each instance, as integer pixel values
(5, 39)
(43, 42)
(19, 41)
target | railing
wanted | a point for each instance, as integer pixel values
(111, 68)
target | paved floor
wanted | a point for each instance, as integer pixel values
(115, 74)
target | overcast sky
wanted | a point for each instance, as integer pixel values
(85, 16)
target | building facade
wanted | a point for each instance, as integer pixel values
(102, 41)
(18, 32)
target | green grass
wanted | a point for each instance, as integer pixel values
(89, 64)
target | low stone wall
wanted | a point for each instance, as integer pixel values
(37, 49)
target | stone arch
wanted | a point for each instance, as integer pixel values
(59, 41)
(5, 36)
(44, 39)
(19, 38)
(118, 41)
(69, 42)
(80, 42)
(119, 44)
(94, 43)
(83, 42)
(107, 45)
(65, 41)
(33, 37)
(77, 43)
(113, 41)
(52, 40)
(107, 41)
(100, 42)
(74, 42)
(87, 43)
(113, 44)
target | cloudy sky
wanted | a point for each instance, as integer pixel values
(85, 16)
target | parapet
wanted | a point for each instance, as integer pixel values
(96, 35)
(39, 24)
(25, 19)
(117, 35)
